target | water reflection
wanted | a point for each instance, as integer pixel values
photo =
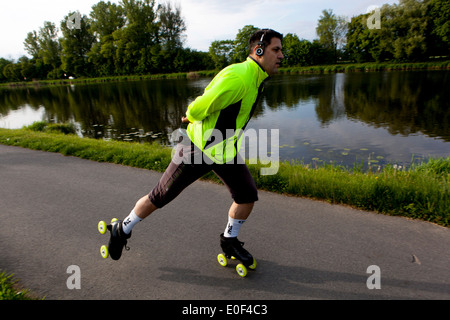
(345, 118)
(374, 118)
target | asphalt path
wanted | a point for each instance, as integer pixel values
(50, 206)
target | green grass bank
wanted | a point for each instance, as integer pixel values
(368, 67)
(10, 289)
(58, 82)
(420, 192)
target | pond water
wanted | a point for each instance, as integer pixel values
(348, 119)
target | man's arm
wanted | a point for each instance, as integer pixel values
(227, 89)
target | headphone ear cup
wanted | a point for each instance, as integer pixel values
(260, 51)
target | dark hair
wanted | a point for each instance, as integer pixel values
(268, 35)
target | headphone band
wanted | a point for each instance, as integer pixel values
(262, 37)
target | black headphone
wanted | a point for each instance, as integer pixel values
(261, 44)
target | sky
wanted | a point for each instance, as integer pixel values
(206, 20)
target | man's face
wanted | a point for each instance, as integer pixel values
(271, 60)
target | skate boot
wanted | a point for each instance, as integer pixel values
(233, 248)
(117, 240)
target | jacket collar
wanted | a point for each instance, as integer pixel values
(262, 74)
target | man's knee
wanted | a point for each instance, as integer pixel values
(248, 197)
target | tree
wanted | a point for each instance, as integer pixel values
(318, 54)
(221, 53)
(363, 44)
(131, 37)
(31, 44)
(50, 48)
(332, 30)
(171, 27)
(12, 72)
(408, 30)
(438, 39)
(297, 51)
(402, 37)
(28, 69)
(76, 43)
(135, 40)
(240, 46)
(106, 18)
(3, 64)
(45, 49)
(170, 38)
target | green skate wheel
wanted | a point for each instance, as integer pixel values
(222, 260)
(241, 270)
(102, 227)
(104, 252)
(253, 265)
(114, 220)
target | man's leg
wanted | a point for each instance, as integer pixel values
(237, 215)
(243, 190)
(240, 211)
(144, 207)
(244, 193)
(229, 242)
(175, 179)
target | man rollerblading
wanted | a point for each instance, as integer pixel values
(210, 139)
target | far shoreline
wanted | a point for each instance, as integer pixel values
(322, 69)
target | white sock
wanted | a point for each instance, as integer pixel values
(233, 227)
(130, 222)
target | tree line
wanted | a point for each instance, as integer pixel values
(411, 31)
(140, 37)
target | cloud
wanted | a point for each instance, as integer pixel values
(221, 20)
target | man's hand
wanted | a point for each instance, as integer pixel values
(185, 120)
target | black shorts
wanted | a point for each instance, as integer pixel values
(181, 173)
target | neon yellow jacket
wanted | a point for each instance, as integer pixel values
(220, 115)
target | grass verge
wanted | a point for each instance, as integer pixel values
(9, 289)
(367, 67)
(420, 192)
(58, 82)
